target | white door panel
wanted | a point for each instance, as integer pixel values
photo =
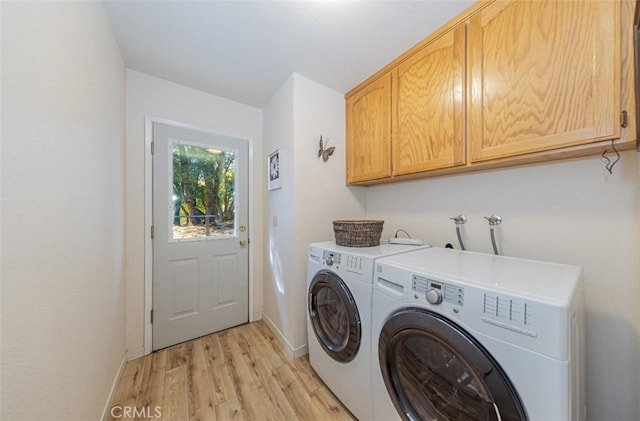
(200, 202)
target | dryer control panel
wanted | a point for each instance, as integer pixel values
(330, 258)
(352, 263)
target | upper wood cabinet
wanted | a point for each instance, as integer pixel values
(543, 75)
(369, 132)
(508, 82)
(428, 119)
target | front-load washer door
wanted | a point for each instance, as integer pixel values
(334, 316)
(435, 370)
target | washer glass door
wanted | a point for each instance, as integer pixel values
(434, 370)
(334, 316)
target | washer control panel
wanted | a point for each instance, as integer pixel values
(437, 292)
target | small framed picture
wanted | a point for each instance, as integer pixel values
(273, 164)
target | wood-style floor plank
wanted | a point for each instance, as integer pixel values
(253, 408)
(131, 381)
(230, 410)
(297, 395)
(201, 399)
(224, 389)
(270, 391)
(176, 402)
(238, 374)
(152, 390)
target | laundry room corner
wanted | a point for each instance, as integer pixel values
(312, 195)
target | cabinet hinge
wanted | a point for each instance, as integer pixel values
(151, 315)
(623, 118)
(152, 232)
(152, 147)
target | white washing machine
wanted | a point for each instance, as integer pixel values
(467, 336)
(339, 291)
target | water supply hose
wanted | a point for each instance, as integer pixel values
(493, 239)
(459, 220)
(493, 220)
(459, 237)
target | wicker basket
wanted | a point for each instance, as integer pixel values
(358, 233)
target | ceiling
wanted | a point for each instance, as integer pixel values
(245, 50)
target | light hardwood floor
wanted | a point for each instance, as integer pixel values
(237, 374)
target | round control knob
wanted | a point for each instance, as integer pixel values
(329, 261)
(434, 296)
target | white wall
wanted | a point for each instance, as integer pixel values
(153, 97)
(313, 194)
(320, 192)
(63, 92)
(279, 247)
(569, 212)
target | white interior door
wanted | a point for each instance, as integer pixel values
(200, 234)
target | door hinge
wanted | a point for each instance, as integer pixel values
(151, 315)
(153, 147)
(623, 118)
(152, 232)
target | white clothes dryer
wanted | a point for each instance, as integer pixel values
(467, 336)
(339, 290)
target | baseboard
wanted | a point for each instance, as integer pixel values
(106, 411)
(134, 353)
(292, 352)
(288, 349)
(300, 351)
(256, 316)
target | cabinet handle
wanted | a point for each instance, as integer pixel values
(623, 119)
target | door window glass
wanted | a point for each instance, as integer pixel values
(332, 315)
(436, 382)
(202, 198)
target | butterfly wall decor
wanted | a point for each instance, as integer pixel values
(325, 152)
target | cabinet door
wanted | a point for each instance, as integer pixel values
(543, 75)
(369, 132)
(428, 112)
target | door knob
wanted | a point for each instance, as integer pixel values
(244, 242)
